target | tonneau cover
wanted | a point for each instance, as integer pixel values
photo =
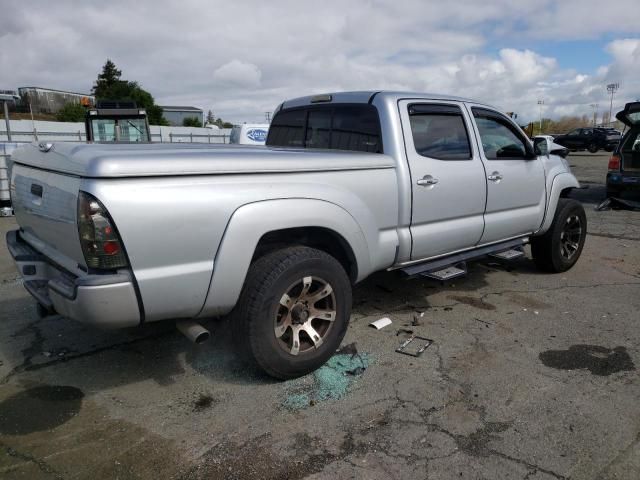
(96, 160)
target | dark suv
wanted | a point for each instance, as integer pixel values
(591, 139)
(624, 164)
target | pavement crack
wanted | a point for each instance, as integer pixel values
(41, 464)
(29, 366)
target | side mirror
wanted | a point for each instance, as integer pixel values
(540, 146)
(561, 152)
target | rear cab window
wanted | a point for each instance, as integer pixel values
(439, 131)
(351, 127)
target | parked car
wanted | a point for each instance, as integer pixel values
(552, 147)
(350, 184)
(624, 164)
(591, 139)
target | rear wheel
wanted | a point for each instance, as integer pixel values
(293, 311)
(560, 247)
(593, 148)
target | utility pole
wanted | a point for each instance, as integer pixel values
(267, 117)
(540, 104)
(612, 88)
(595, 113)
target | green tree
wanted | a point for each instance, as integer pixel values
(211, 119)
(71, 112)
(110, 87)
(109, 77)
(191, 122)
(222, 124)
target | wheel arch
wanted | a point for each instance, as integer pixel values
(561, 186)
(322, 238)
(257, 228)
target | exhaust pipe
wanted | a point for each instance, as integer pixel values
(193, 331)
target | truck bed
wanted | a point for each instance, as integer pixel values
(133, 160)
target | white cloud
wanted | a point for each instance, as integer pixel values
(243, 58)
(238, 74)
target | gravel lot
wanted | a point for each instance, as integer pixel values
(529, 376)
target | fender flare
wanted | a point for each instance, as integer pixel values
(251, 221)
(560, 182)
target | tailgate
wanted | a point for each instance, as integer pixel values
(46, 207)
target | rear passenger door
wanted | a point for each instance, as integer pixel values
(516, 189)
(447, 177)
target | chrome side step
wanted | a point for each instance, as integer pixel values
(429, 267)
(448, 273)
(508, 254)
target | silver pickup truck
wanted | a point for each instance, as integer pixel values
(348, 184)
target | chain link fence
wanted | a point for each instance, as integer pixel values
(80, 136)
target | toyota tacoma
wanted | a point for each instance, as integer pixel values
(120, 235)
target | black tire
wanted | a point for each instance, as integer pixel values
(548, 250)
(255, 316)
(593, 148)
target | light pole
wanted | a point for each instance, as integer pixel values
(540, 104)
(595, 113)
(612, 88)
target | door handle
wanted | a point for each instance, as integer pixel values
(427, 181)
(495, 177)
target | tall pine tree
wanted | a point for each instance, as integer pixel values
(109, 86)
(109, 78)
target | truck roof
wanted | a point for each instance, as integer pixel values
(367, 96)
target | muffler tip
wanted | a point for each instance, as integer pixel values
(195, 332)
(202, 337)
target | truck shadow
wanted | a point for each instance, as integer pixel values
(61, 351)
(58, 351)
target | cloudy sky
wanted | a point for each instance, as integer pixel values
(242, 58)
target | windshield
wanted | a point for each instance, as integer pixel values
(119, 130)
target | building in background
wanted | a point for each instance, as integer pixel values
(176, 115)
(50, 101)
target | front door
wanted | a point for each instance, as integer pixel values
(447, 177)
(516, 191)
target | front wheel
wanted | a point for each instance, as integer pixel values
(593, 148)
(560, 247)
(293, 311)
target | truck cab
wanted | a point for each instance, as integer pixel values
(117, 122)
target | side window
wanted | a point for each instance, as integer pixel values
(586, 131)
(574, 132)
(439, 132)
(356, 127)
(287, 129)
(499, 139)
(632, 142)
(318, 129)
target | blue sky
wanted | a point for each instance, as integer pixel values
(242, 59)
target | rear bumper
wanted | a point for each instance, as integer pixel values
(107, 301)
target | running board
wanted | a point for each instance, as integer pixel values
(440, 264)
(511, 254)
(448, 273)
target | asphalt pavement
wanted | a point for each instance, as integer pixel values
(529, 376)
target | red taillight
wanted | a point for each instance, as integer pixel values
(614, 162)
(111, 248)
(99, 239)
